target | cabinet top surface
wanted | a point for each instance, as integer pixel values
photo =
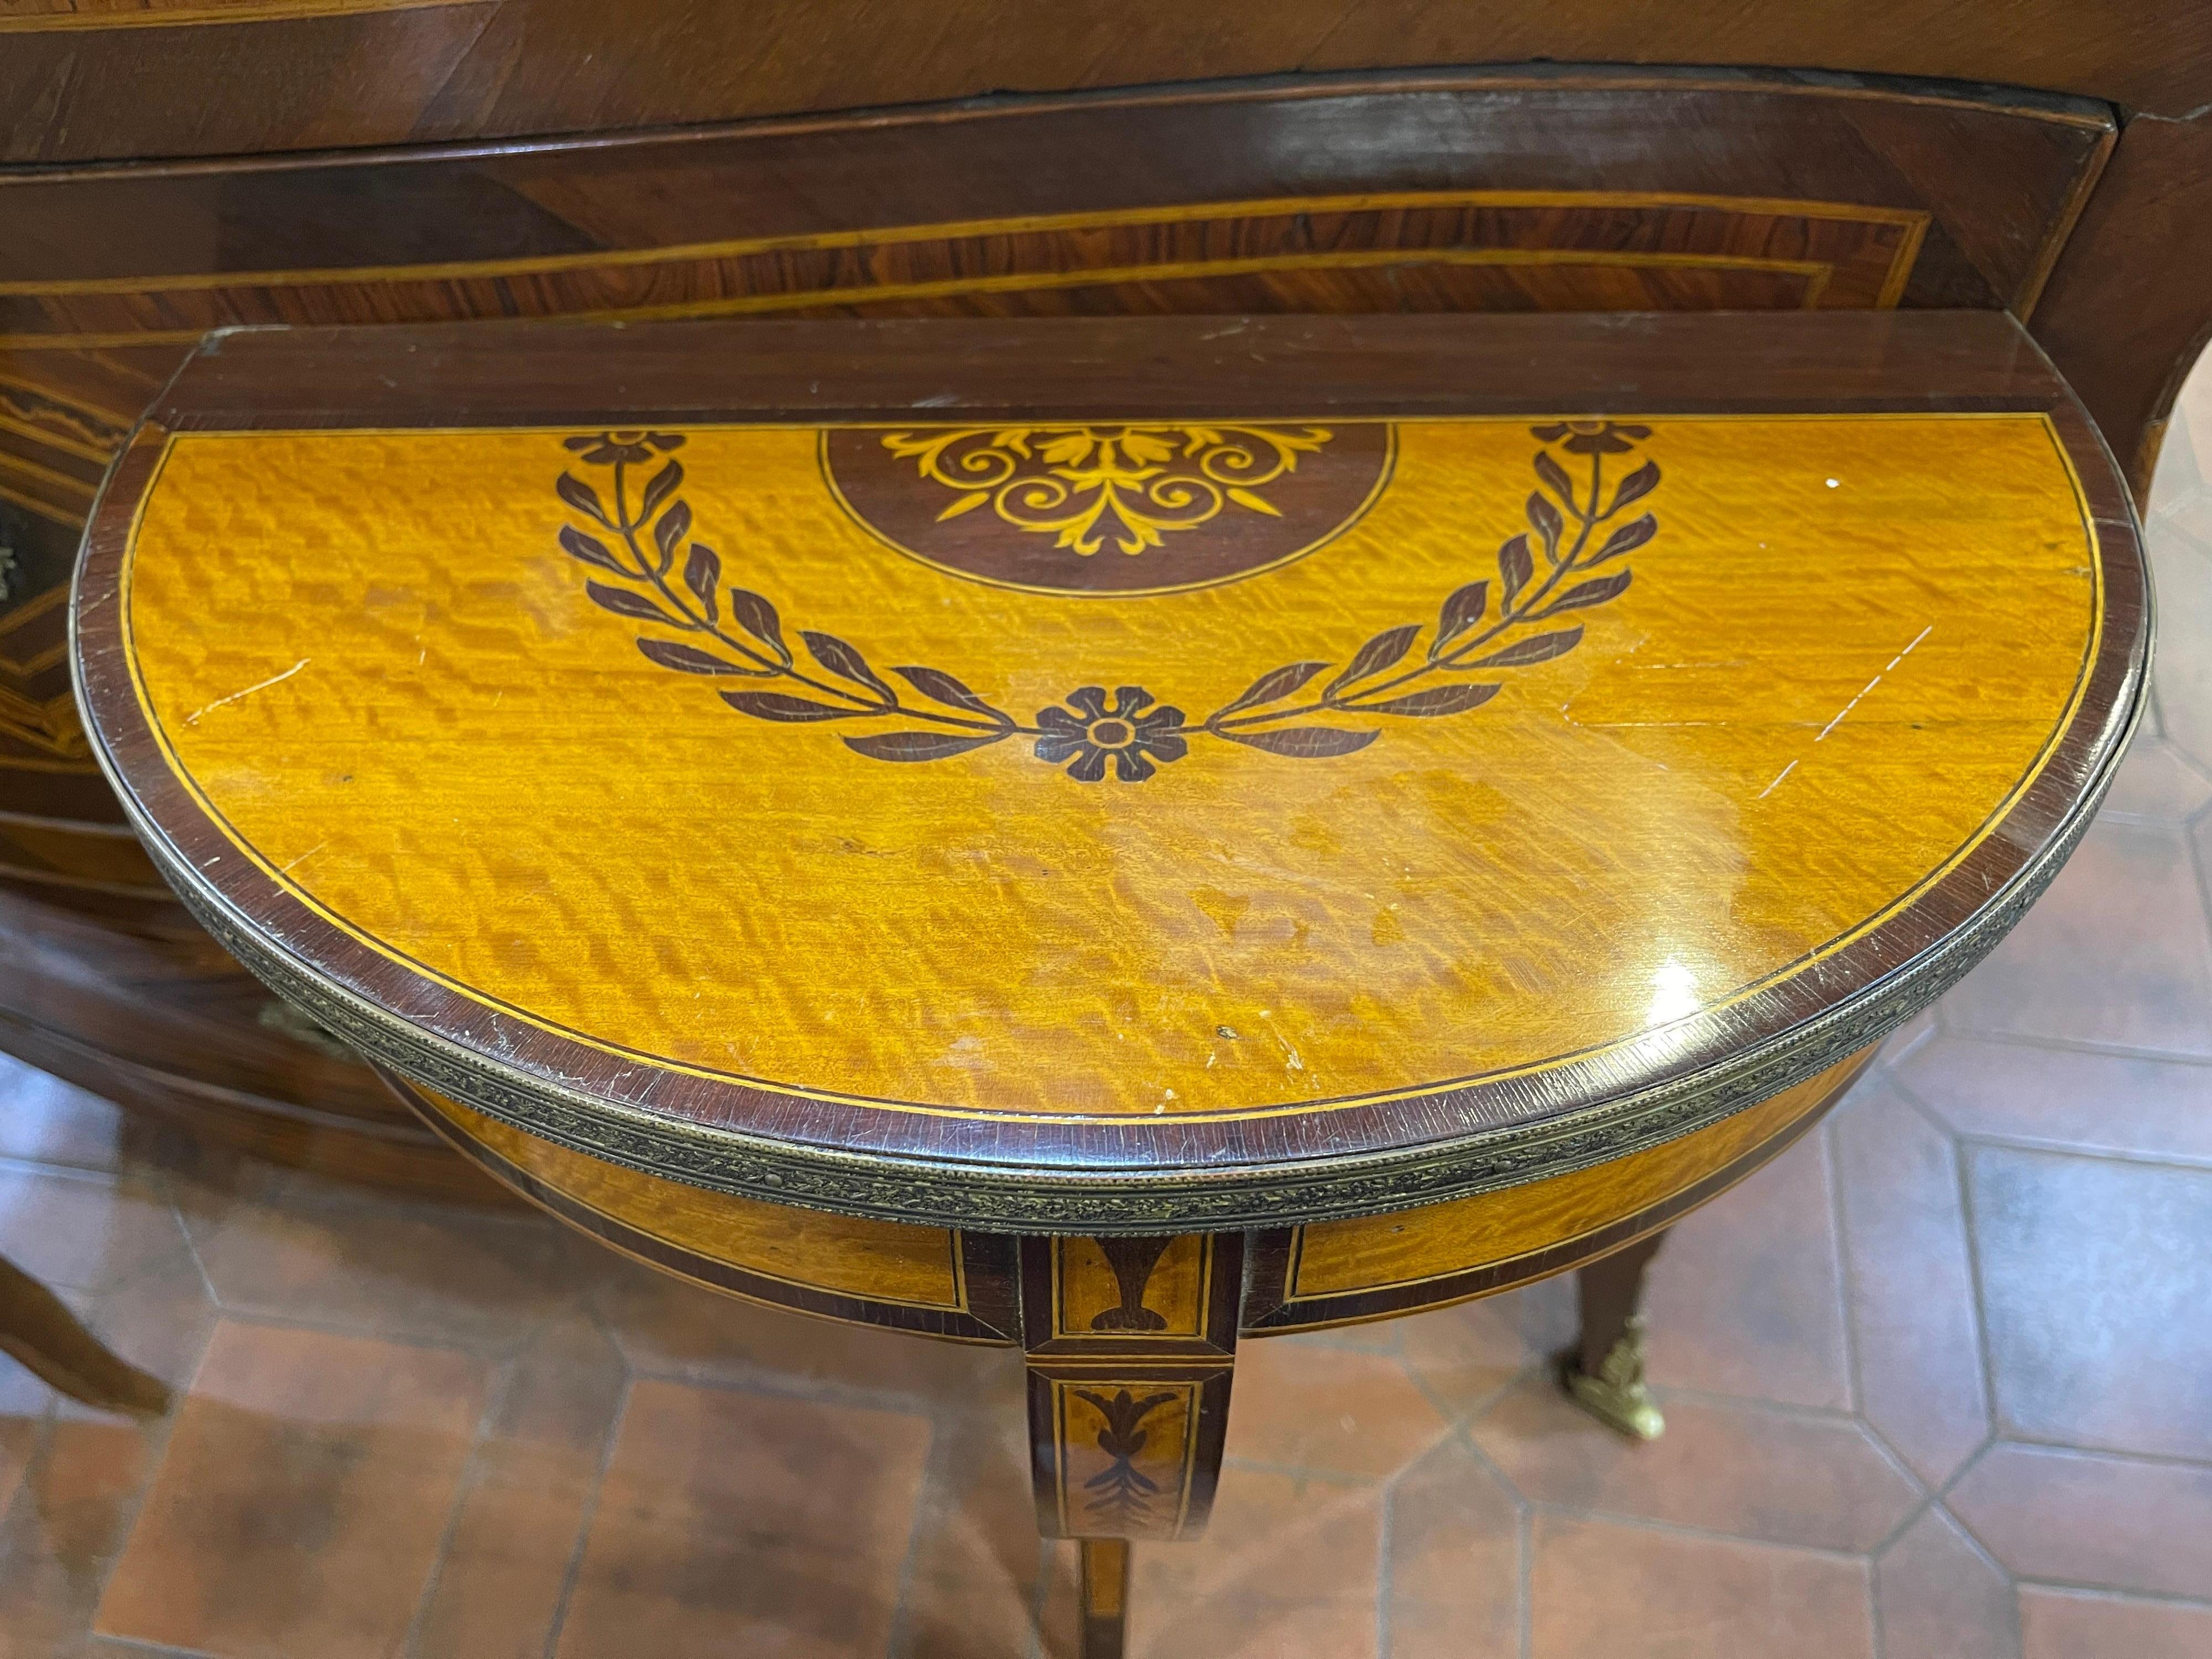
(1058, 788)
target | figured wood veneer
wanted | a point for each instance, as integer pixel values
(878, 1261)
(1861, 641)
(1750, 758)
(1109, 1295)
(1400, 1253)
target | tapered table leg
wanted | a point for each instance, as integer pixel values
(1604, 1374)
(1130, 1344)
(37, 1330)
(1105, 1597)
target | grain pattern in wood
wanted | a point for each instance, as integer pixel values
(1594, 249)
(1344, 1258)
(1100, 1291)
(1468, 192)
(50, 853)
(1747, 757)
(1104, 1598)
(475, 68)
(1270, 1309)
(1790, 742)
(881, 1260)
(1161, 1286)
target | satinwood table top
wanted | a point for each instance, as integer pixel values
(1121, 773)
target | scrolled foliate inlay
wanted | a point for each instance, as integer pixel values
(1087, 486)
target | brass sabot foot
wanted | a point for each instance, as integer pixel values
(1616, 1395)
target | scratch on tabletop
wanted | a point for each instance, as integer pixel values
(198, 714)
(1848, 706)
(303, 857)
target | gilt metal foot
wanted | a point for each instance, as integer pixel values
(1617, 1395)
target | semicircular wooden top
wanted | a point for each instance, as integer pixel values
(1122, 774)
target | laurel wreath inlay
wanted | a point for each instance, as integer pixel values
(1483, 628)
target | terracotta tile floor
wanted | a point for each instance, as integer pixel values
(1939, 1383)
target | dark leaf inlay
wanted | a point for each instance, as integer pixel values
(1514, 567)
(1636, 486)
(690, 660)
(1436, 700)
(585, 499)
(702, 574)
(1537, 647)
(936, 683)
(776, 706)
(1381, 651)
(739, 632)
(590, 549)
(623, 603)
(914, 745)
(1549, 522)
(757, 617)
(840, 659)
(1305, 742)
(1596, 591)
(663, 484)
(1466, 606)
(675, 525)
(1274, 685)
(1626, 539)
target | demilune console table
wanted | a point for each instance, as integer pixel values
(1119, 837)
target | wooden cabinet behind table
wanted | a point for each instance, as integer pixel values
(185, 168)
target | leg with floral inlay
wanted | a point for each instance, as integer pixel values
(1131, 1343)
